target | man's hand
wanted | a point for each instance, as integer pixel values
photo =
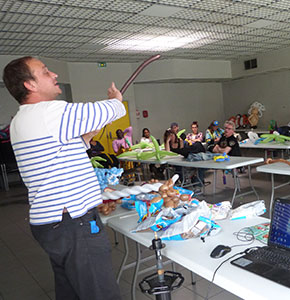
(88, 136)
(113, 92)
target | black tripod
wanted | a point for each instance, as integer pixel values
(163, 282)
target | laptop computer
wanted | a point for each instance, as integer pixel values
(272, 261)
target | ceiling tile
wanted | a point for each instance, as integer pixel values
(83, 30)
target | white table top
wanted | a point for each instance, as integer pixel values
(278, 168)
(118, 212)
(271, 145)
(195, 256)
(235, 162)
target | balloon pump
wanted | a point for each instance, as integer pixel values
(162, 282)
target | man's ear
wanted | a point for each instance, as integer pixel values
(30, 85)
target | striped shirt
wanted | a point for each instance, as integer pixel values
(51, 155)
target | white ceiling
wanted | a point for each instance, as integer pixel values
(132, 30)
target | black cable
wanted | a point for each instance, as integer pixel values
(215, 271)
(245, 234)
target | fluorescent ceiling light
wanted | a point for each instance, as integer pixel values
(149, 42)
(158, 10)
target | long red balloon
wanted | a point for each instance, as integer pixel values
(138, 70)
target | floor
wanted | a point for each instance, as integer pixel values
(25, 270)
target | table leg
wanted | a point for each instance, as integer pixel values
(133, 287)
(193, 278)
(124, 258)
(265, 154)
(251, 183)
(115, 237)
(236, 185)
(214, 181)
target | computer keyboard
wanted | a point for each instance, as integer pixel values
(273, 256)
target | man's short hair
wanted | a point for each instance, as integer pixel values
(14, 75)
(173, 124)
(231, 123)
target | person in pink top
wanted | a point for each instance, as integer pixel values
(124, 139)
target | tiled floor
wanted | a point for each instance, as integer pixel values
(25, 272)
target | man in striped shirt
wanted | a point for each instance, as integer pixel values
(50, 138)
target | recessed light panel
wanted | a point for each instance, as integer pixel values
(157, 10)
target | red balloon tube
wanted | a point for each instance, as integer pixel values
(138, 70)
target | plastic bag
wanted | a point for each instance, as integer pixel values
(164, 219)
(197, 223)
(147, 207)
(252, 209)
(220, 211)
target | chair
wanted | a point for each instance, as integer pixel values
(7, 163)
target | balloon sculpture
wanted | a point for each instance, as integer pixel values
(269, 137)
(255, 112)
(158, 154)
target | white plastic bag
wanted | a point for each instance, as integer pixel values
(252, 209)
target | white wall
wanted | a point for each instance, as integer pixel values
(8, 105)
(185, 69)
(178, 102)
(272, 90)
(269, 61)
(90, 83)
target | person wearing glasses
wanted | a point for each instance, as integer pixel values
(228, 143)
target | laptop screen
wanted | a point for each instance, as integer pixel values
(279, 235)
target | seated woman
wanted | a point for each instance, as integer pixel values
(146, 136)
(194, 139)
(172, 142)
(213, 134)
(194, 136)
(97, 149)
(122, 142)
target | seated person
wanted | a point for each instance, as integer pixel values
(228, 143)
(120, 145)
(122, 141)
(146, 136)
(213, 134)
(96, 149)
(194, 139)
(194, 136)
(171, 141)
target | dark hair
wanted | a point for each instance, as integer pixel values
(143, 131)
(119, 130)
(14, 75)
(211, 125)
(194, 123)
(166, 135)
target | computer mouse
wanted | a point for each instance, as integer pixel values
(220, 251)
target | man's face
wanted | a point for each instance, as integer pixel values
(229, 130)
(175, 129)
(45, 83)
